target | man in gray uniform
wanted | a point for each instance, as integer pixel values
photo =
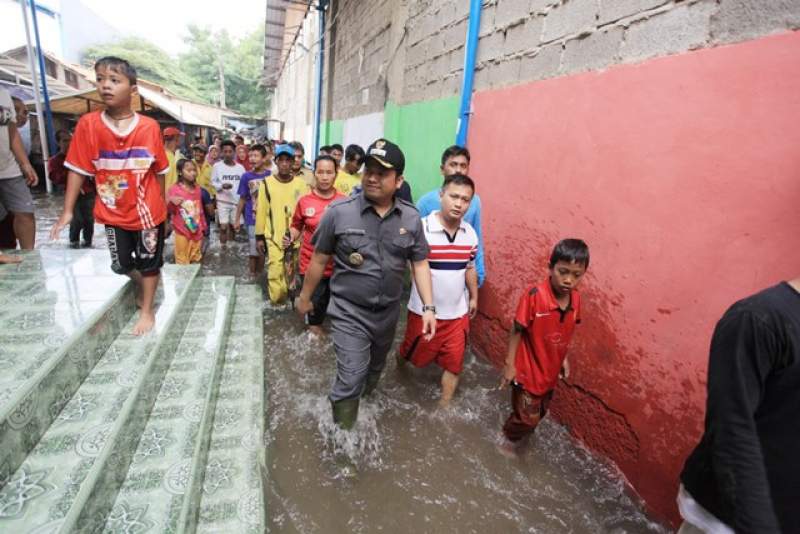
(371, 237)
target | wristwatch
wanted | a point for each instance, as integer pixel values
(428, 307)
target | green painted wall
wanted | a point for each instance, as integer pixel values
(423, 130)
(332, 132)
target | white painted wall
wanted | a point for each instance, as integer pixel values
(293, 101)
(363, 130)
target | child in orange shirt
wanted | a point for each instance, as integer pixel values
(185, 205)
(124, 153)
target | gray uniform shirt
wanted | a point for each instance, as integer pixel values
(353, 232)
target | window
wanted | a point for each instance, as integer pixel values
(51, 68)
(71, 78)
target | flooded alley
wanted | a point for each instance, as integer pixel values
(420, 468)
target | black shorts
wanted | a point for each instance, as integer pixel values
(136, 250)
(320, 299)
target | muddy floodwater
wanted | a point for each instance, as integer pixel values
(420, 468)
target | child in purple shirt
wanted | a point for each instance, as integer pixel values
(248, 195)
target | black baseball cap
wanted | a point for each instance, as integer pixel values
(387, 154)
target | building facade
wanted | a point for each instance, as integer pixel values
(663, 132)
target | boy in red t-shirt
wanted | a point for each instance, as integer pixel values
(124, 152)
(537, 347)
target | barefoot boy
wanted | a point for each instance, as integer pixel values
(125, 154)
(537, 348)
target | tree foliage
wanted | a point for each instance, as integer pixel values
(151, 63)
(195, 73)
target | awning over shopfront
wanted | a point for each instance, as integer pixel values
(183, 111)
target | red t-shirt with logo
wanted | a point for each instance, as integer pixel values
(124, 165)
(189, 214)
(306, 218)
(546, 333)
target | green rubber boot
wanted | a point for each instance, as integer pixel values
(371, 383)
(345, 413)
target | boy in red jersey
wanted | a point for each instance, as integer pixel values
(124, 152)
(537, 347)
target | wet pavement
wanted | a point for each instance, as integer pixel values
(420, 468)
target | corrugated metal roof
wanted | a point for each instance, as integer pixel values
(278, 36)
(20, 73)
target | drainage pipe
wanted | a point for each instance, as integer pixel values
(38, 103)
(469, 71)
(318, 86)
(51, 133)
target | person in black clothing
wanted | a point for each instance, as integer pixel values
(744, 475)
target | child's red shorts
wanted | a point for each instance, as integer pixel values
(446, 348)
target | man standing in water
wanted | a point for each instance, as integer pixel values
(371, 237)
(456, 160)
(453, 244)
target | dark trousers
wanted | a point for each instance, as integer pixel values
(83, 219)
(527, 412)
(7, 237)
(320, 299)
(362, 338)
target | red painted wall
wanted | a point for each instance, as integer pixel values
(683, 175)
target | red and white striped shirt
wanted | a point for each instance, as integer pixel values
(449, 259)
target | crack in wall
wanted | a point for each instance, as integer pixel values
(615, 413)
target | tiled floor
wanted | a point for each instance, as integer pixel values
(47, 300)
(233, 500)
(101, 428)
(168, 463)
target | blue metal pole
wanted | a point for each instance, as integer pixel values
(469, 71)
(318, 88)
(51, 134)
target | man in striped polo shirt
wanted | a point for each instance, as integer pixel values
(453, 246)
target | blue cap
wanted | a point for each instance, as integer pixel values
(284, 149)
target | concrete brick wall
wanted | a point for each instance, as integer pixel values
(293, 101)
(357, 56)
(413, 50)
(522, 41)
(528, 40)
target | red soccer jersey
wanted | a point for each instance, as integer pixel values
(124, 165)
(306, 218)
(546, 333)
(187, 218)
